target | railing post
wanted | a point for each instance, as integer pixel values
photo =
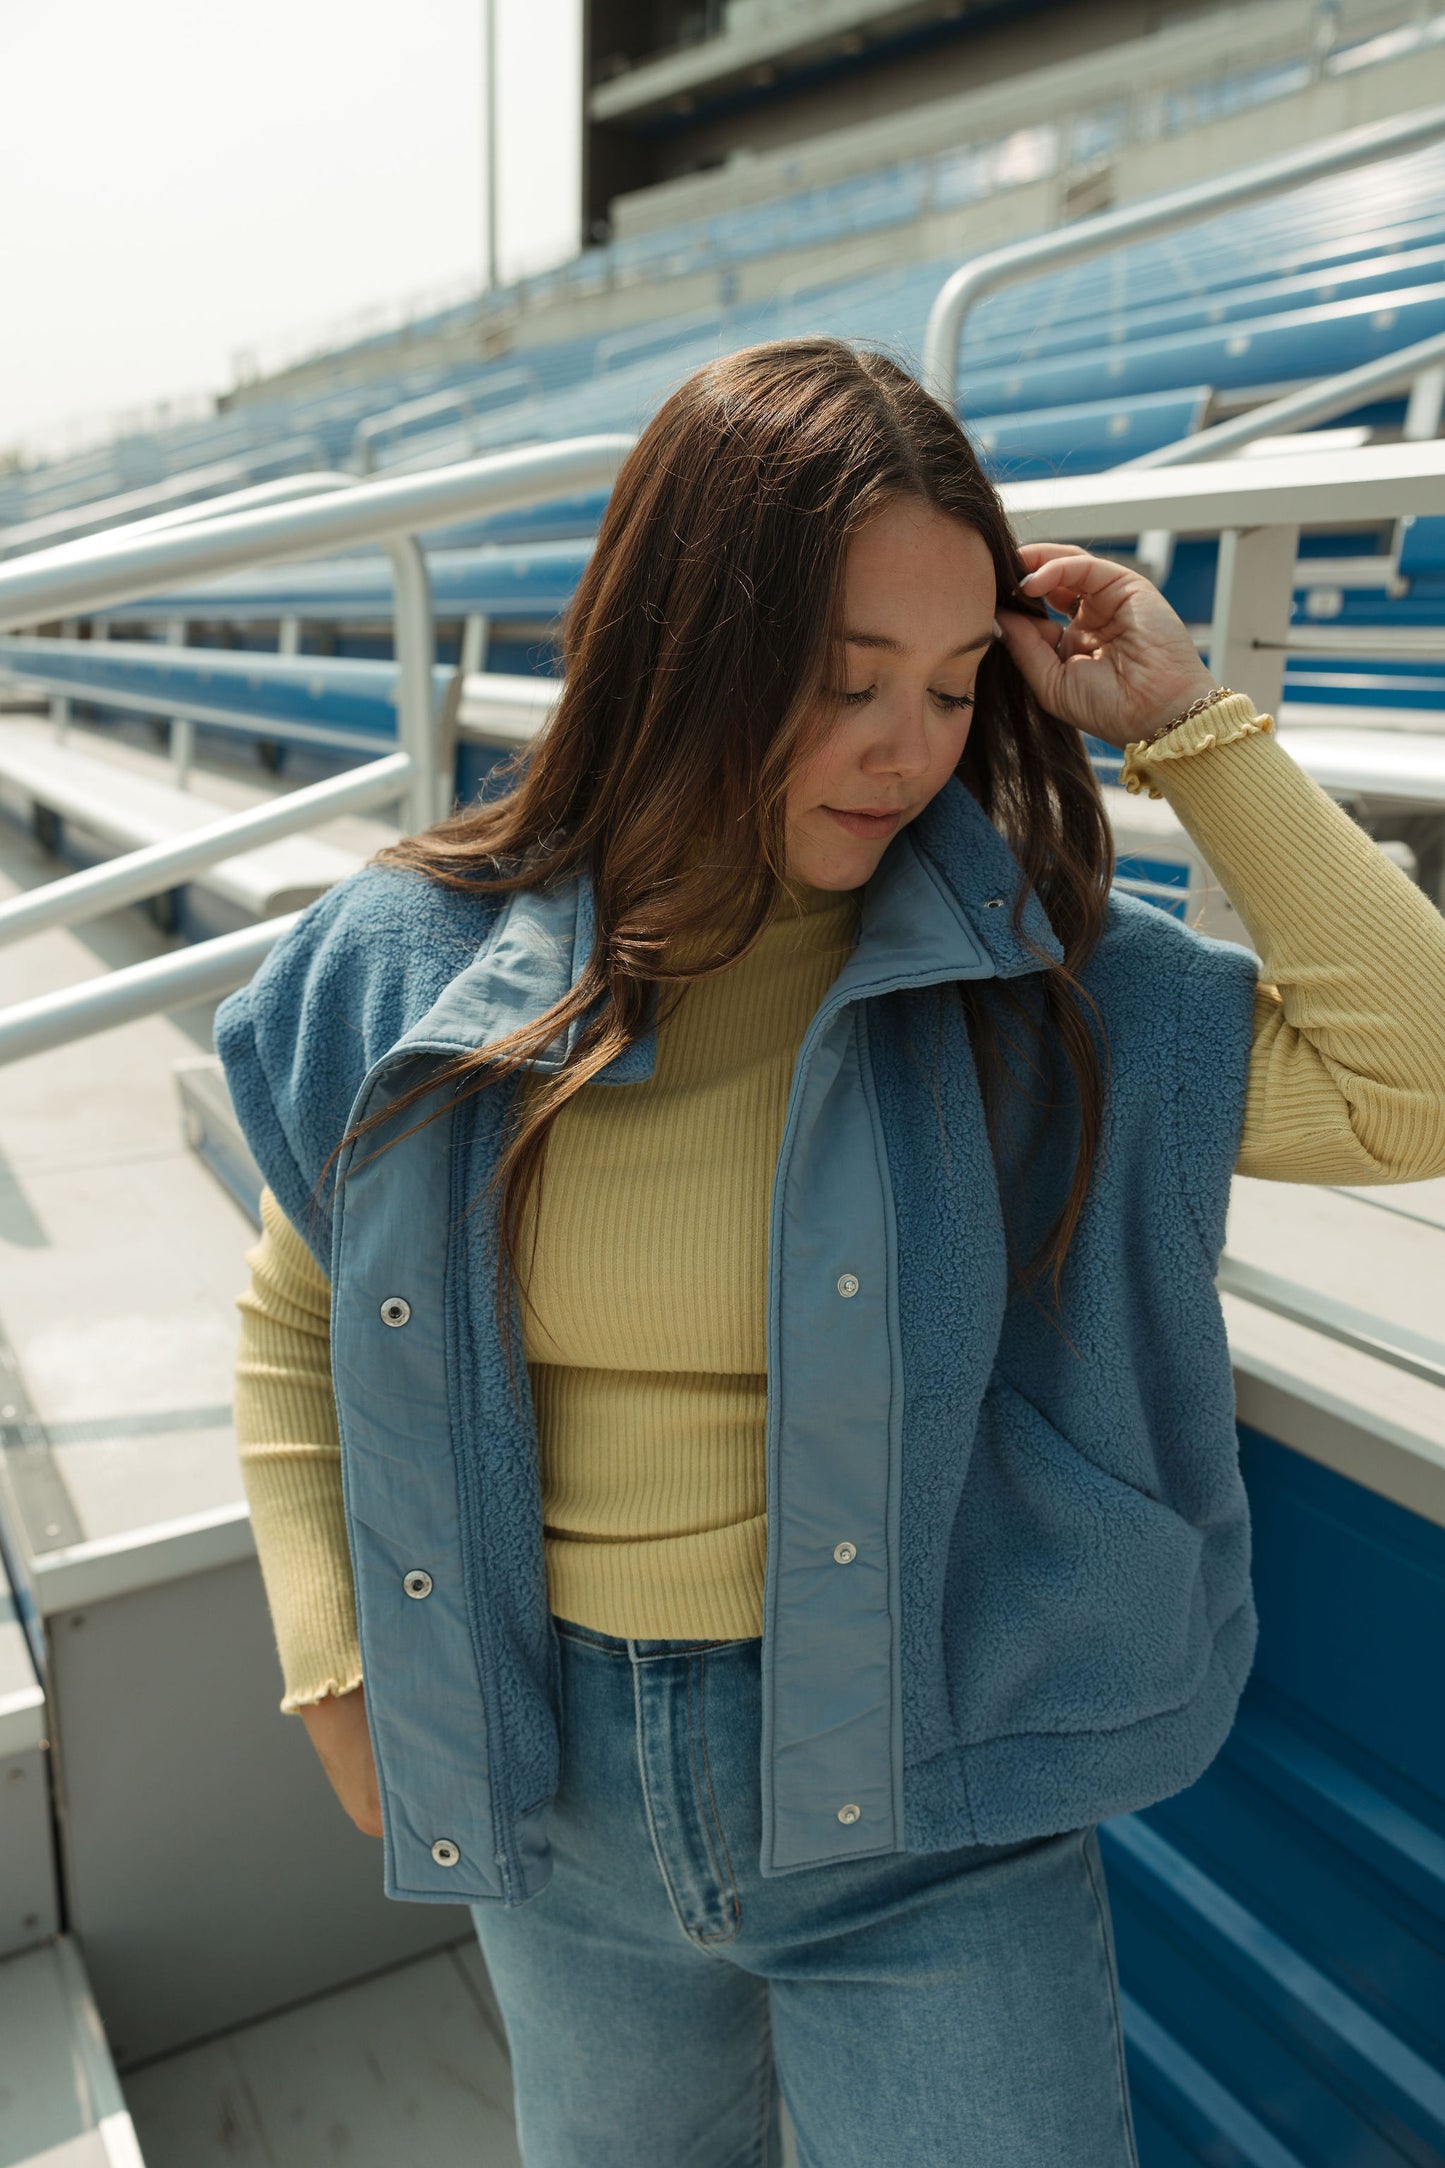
(429, 793)
(1253, 594)
(183, 729)
(60, 705)
(1422, 411)
(476, 633)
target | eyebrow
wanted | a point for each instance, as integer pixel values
(895, 647)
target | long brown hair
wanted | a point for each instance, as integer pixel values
(696, 647)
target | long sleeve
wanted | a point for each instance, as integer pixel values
(290, 1453)
(1346, 1077)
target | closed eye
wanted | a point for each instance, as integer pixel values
(947, 700)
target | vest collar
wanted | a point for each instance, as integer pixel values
(937, 908)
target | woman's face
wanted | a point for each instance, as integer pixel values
(919, 596)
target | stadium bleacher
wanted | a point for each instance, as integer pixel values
(895, 195)
(1101, 362)
(1068, 373)
(1280, 1924)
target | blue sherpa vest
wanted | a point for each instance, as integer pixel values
(1045, 1617)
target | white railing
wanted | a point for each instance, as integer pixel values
(98, 574)
(1156, 214)
(85, 577)
(145, 872)
(1256, 506)
(467, 404)
(97, 524)
(1420, 367)
(1418, 1354)
(202, 973)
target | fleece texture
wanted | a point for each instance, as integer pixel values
(1048, 1615)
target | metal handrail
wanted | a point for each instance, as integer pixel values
(56, 582)
(1414, 1352)
(1312, 403)
(200, 508)
(52, 583)
(60, 583)
(100, 517)
(1157, 214)
(461, 401)
(283, 490)
(1332, 488)
(208, 969)
(157, 866)
(1243, 494)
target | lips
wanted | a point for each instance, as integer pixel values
(860, 822)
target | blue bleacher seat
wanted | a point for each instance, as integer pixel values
(1062, 374)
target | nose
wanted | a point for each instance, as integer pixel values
(899, 744)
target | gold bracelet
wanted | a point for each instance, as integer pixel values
(1205, 700)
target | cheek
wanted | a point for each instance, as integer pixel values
(812, 781)
(951, 747)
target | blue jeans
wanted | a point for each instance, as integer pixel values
(939, 2010)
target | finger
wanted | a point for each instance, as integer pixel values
(1021, 627)
(1036, 553)
(1033, 642)
(1077, 643)
(1073, 569)
(1098, 592)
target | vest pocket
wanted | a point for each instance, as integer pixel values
(1073, 1602)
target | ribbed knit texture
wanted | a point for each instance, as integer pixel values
(290, 1450)
(647, 1346)
(649, 1362)
(1347, 1065)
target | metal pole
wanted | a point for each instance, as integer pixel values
(489, 123)
(50, 584)
(60, 705)
(81, 896)
(212, 967)
(182, 727)
(428, 792)
(1157, 214)
(1318, 402)
(1314, 402)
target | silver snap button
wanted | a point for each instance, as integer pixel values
(395, 1310)
(994, 903)
(417, 1583)
(849, 1814)
(845, 1553)
(445, 1853)
(847, 1283)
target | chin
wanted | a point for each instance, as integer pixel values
(845, 870)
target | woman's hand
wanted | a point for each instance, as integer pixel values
(1124, 664)
(341, 1737)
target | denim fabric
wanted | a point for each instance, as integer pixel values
(941, 2010)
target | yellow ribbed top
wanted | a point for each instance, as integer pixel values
(647, 1337)
(648, 1358)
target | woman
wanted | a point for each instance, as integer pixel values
(747, 1202)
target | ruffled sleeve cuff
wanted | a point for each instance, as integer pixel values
(1236, 717)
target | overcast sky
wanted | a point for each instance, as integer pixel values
(181, 180)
